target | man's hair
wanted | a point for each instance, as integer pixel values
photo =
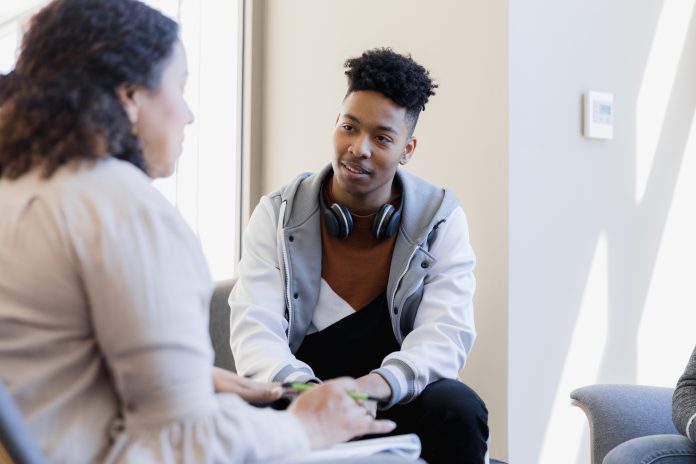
(60, 102)
(395, 76)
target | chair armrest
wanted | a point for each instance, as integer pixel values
(219, 324)
(618, 413)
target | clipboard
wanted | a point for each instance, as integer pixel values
(407, 446)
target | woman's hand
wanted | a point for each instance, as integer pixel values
(247, 389)
(330, 415)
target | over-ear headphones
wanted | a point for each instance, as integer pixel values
(339, 221)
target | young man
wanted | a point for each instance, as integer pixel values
(365, 270)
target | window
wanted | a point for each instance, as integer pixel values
(8, 44)
(203, 187)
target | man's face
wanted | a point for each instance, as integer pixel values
(372, 137)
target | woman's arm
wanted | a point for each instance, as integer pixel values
(249, 390)
(684, 401)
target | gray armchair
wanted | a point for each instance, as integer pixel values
(17, 444)
(220, 324)
(618, 413)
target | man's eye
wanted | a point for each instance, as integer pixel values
(383, 139)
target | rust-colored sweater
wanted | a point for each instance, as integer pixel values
(357, 267)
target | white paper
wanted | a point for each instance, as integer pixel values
(407, 446)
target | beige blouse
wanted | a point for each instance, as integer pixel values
(104, 340)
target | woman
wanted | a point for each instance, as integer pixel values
(104, 290)
(684, 411)
(667, 449)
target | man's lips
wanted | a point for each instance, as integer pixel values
(355, 169)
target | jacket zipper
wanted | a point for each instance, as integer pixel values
(286, 267)
(403, 273)
(397, 328)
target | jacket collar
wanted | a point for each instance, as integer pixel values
(423, 204)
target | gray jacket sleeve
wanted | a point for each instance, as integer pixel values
(684, 401)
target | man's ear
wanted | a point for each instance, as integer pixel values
(128, 95)
(409, 149)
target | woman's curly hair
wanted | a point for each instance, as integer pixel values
(60, 102)
(395, 76)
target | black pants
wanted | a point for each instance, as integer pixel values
(449, 418)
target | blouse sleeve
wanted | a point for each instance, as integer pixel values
(148, 289)
(684, 401)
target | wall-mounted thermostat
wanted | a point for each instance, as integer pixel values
(599, 115)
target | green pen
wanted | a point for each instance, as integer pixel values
(296, 387)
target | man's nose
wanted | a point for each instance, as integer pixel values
(361, 147)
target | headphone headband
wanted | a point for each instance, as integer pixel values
(339, 220)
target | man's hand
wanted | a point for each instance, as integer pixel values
(374, 385)
(329, 415)
(247, 389)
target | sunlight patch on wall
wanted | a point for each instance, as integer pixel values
(656, 87)
(564, 431)
(666, 332)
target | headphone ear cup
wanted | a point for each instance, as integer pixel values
(386, 221)
(338, 220)
(330, 222)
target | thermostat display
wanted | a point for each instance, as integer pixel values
(599, 115)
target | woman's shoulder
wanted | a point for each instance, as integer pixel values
(107, 194)
(103, 176)
(104, 184)
(108, 184)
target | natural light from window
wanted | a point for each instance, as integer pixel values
(657, 84)
(8, 46)
(564, 431)
(203, 187)
(668, 309)
(669, 304)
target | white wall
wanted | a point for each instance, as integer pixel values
(462, 134)
(601, 233)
